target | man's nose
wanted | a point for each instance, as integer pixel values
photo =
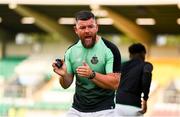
(86, 29)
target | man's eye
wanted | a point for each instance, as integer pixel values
(88, 27)
(82, 28)
(91, 26)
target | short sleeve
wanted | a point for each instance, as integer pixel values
(109, 62)
(68, 62)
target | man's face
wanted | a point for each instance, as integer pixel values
(87, 30)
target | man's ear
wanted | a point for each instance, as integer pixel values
(75, 29)
(97, 27)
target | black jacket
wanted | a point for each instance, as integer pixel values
(135, 80)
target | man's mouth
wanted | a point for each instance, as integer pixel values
(88, 41)
(88, 37)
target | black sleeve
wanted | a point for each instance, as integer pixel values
(146, 79)
(116, 53)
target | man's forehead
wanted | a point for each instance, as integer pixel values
(86, 22)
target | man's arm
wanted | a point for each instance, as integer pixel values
(146, 79)
(108, 81)
(146, 83)
(65, 79)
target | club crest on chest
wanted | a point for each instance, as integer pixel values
(94, 60)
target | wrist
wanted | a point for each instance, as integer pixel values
(92, 75)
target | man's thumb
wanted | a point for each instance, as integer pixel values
(84, 63)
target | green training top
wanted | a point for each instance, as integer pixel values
(104, 57)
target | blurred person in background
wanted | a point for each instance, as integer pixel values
(94, 62)
(135, 81)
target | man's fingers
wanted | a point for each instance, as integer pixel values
(142, 111)
(82, 72)
(53, 64)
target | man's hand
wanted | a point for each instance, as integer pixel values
(60, 71)
(65, 79)
(84, 70)
(144, 107)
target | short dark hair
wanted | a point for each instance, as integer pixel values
(84, 15)
(137, 48)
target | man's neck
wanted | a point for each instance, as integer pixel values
(97, 38)
(137, 56)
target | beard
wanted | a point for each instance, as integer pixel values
(88, 41)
